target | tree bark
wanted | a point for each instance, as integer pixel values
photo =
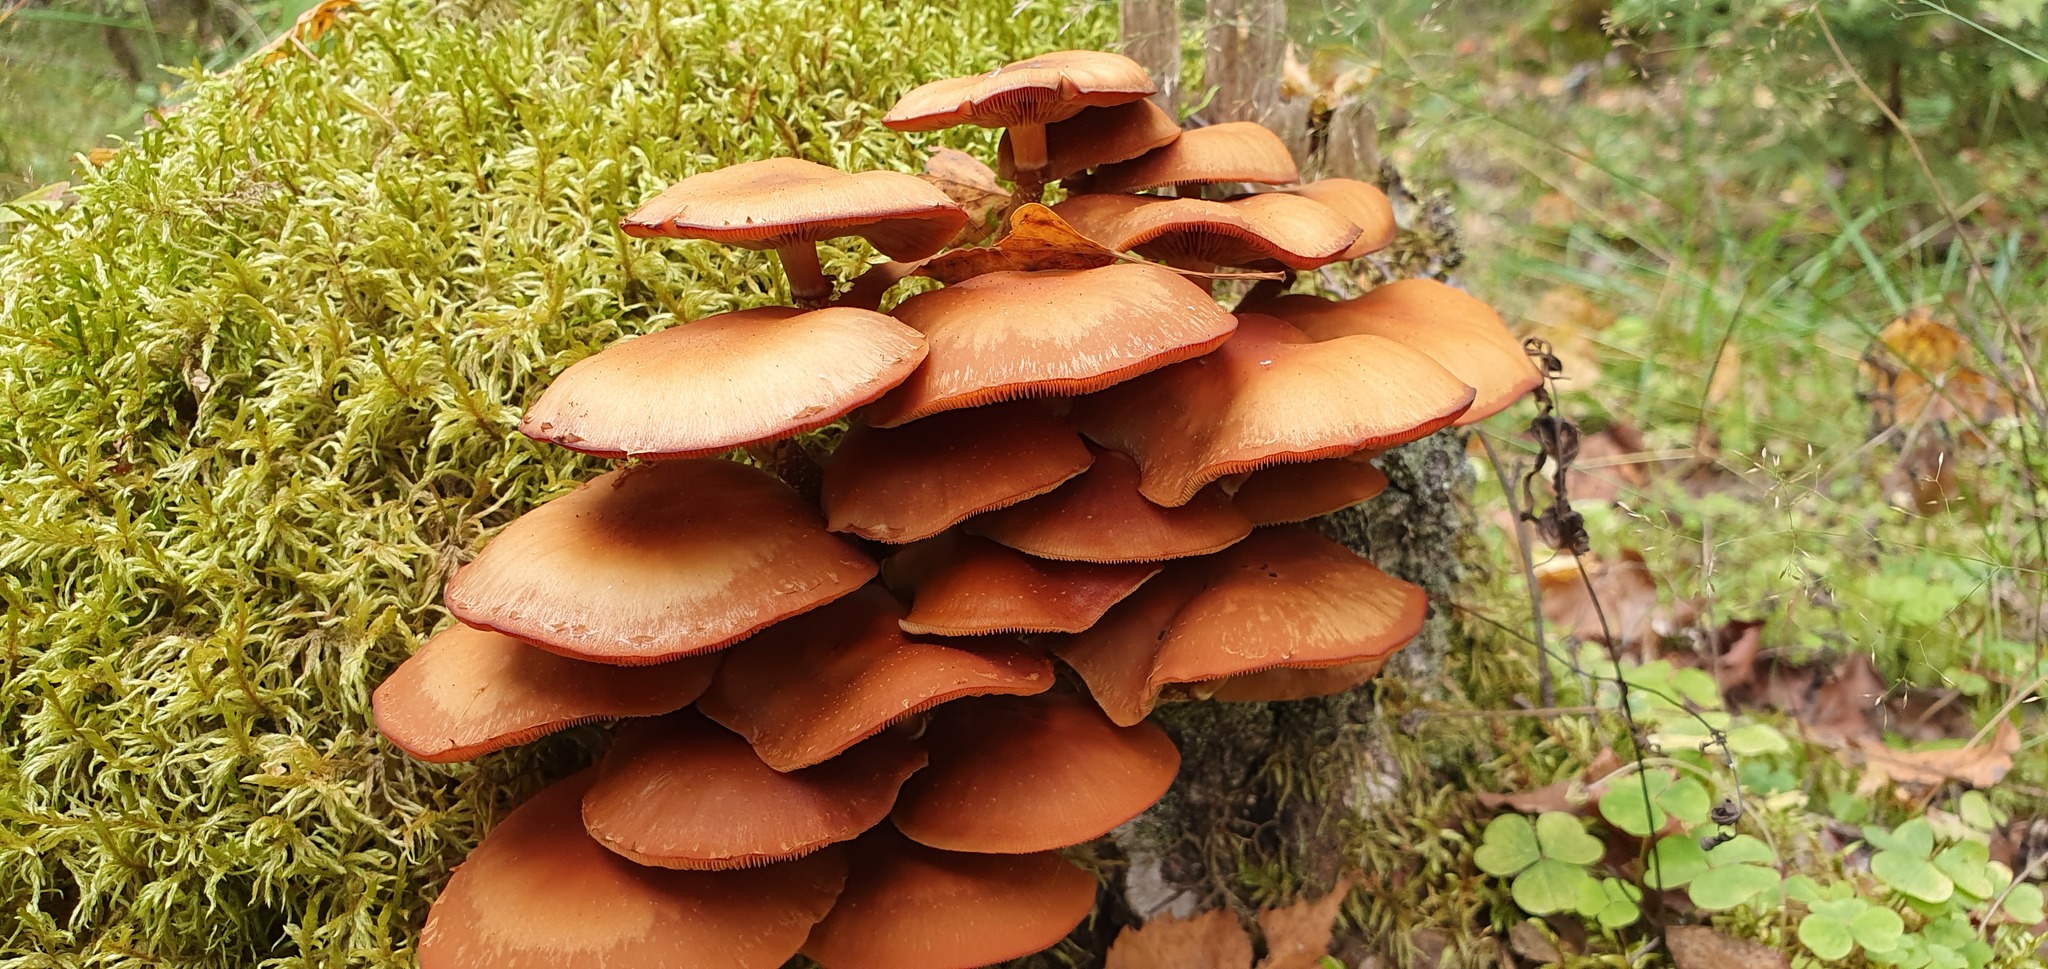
(1151, 36)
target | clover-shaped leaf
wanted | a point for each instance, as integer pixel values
(1825, 929)
(1912, 875)
(1757, 739)
(1547, 860)
(1737, 871)
(1619, 904)
(1675, 860)
(2024, 903)
(1626, 807)
(1968, 865)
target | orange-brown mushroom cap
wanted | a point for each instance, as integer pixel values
(648, 564)
(1463, 334)
(1269, 396)
(1283, 597)
(468, 692)
(538, 893)
(724, 382)
(1007, 335)
(1298, 492)
(778, 202)
(908, 483)
(1101, 517)
(907, 906)
(960, 585)
(1039, 90)
(1284, 683)
(1364, 205)
(1097, 136)
(1295, 232)
(808, 689)
(1236, 151)
(683, 792)
(1011, 775)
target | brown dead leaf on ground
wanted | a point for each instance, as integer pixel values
(1627, 599)
(1211, 940)
(1980, 766)
(1557, 796)
(1608, 464)
(970, 184)
(1917, 374)
(1530, 943)
(1702, 947)
(1297, 937)
(1038, 240)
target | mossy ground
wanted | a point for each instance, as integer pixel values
(258, 387)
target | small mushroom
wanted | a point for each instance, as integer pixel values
(1101, 517)
(724, 382)
(1024, 97)
(1284, 597)
(683, 792)
(1236, 151)
(1287, 493)
(1096, 136)
(649, 564)
(539, 893)
(1269, 396)
(1363, 205)
(1200, 235)
(806, 690)
(907, 906)
(468, 692)
(790, 205)
(959, 585)
(908, 483)
(1007, 335)
(1463, 334)
(1012, 775)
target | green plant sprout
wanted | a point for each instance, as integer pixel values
(1547, 861)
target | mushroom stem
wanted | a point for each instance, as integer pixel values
(1027, 150)
(807, 284)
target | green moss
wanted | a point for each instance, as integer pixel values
(257, 396)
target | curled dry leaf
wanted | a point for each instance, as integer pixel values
(970, 184)
(1979, 766)
(1038, 240)
(1627, 597)
(1298, 936)
(1917, 374)
(1571, 795)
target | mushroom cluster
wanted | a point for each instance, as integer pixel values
(851, 740)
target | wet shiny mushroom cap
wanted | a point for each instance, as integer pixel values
(468, 692)
(1236, 151)
(657, 562)
(806, 690)
(907, 483)
(683, 792)
(1285, 597)
(1451, 327)
(1038, 90)
(777, 202)
(724, 382)
(538, 893)
(1011, 775)
(960, 585)
(1269, 395)
(1100, 516)
(1295, 232)
(1009, 335)
(1097, 136)
(907, 906)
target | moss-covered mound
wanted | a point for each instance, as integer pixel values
(257, 396)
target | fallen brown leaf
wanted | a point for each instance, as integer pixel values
(1842, 709)
(1734, 664)
(1701, 947)
(1298, 936)
(1211, 940)
(1980, 766)
(1917, 374)
(1627, 598)
(970, 184)
(1038, 240)
(1557, 796)
(1529, 942)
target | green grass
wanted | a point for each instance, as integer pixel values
(260, 383)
